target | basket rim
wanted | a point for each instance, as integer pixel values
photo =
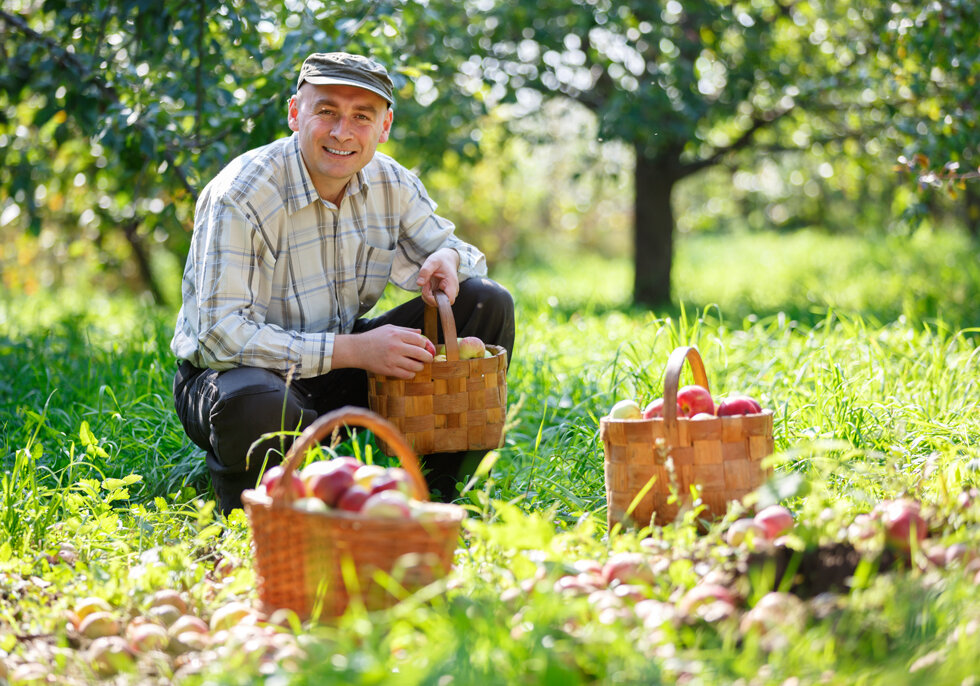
(252, 496)
(729, 418)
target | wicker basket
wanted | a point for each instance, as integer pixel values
(315, 563)
(448, 406)
(722, 455)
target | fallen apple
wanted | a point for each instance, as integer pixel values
(902, 520)
(628, 568)
(229, 615)
(167, 596)
(353, 498)
(693, 399)
(715, 597)
(388, 504)
(775, 520)
(147, 636)
(86, 606)
(109, 655)
(626, 409)
(776, 616)
(737, 405)
(742, 530)
(98, 624)
(189, 623)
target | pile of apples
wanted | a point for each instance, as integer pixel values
(347, 485)
(470, 348)
(693, 402)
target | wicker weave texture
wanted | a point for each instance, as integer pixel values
(447, 406)
(667, 455)
(322, 561)
(300, 557)
(722, 455)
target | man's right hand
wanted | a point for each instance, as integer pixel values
(391, 350)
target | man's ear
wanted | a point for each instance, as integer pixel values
(292, 116)
(386, 125)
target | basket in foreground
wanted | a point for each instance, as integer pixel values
(666, 455)
(317, 563)
(450, 405)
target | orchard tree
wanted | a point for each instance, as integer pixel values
(115, 113)
(687, 84)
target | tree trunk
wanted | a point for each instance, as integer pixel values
(653, 230)
(972, 200)
(142, 261)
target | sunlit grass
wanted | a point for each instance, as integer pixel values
(867, 352)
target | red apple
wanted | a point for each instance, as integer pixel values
(693, 399)
(702, 416)
(367, 473)
(387, 504)
(393, 478)
(353, 498)
(743, 528)
(656, 409)
(902, 519)
(775, 520)
(272, 476)
(628, 568)
(329, 486)
(738, 404)
(430, 347)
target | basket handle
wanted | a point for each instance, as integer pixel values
(351, 415)
(672, 377)
(444, 313)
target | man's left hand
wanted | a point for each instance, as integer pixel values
(440, 272)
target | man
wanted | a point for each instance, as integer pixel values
(293, 243)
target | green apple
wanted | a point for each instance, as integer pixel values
(626, 409)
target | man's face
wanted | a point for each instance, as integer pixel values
(339, 129)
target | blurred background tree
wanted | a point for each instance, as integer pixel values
(539, 127)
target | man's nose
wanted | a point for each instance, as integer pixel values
(341, 129)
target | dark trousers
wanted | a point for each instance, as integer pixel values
(226, 412)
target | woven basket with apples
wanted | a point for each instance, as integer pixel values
(456, 402)
(338, 529)
(654, 455)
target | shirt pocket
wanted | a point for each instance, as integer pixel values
(373, 271)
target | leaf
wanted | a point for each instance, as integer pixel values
(781, 488)
(86, 436)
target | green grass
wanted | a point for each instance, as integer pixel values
(866, 350)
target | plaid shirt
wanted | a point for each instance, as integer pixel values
(274, 272)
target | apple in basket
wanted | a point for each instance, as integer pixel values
(353, 498)
(738, 404)
(388, 504)
(393, 478)
(470, 348)
(693, 399)
(367, 473)
(625, 409)
(272, 476)
(329, 482)
(655, 408)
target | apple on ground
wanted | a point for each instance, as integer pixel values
(272, 477)
(393, 478)
(628, 568)
(693, 399)
(328, 486)
(738, 404)
(775, 520)
(353, 498)
(388, 504)
(626, 409)
(744, 529)
(902, 519)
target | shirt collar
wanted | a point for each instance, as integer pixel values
(300, 190)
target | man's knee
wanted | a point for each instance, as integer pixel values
(488, 293)
(251, 404)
